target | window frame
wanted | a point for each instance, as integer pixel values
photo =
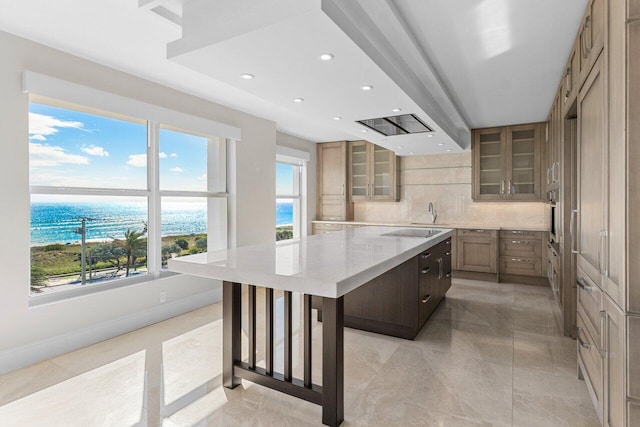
(217, 183)
(299, 194)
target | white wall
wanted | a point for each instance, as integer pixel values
(29, 334)
(290, 141)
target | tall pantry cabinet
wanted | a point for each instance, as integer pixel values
(605, 236)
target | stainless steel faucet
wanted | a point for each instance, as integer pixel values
(432, 211)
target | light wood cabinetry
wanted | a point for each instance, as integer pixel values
(571, 80)
(607, 183)
(477, 250)
(614, 368)
(592, 171)
(507, 162)
(332, 182)
(373, 172)
(591, 36)
(521, 253)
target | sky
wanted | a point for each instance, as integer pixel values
(284, 179)
(73, 149)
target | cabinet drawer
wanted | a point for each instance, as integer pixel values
(522, 266)
(589, 303)
(477, 233)
(521, 247)
(326, 228)
(553, 257)
(591, 361)
(520, 235)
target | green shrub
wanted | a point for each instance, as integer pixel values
(54, 247)
(183, 243)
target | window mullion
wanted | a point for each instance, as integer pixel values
(154, 232)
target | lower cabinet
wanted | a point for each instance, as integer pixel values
(601, 357)
(399, 302)
(477, 250)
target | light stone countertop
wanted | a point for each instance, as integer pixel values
(424, 224)
(327, 265)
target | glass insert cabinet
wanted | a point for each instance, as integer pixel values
(373, 172)
(507, 162)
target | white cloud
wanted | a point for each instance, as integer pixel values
(203, 177)
(177, 170)
(137, 160)
(162, 155)
(173, 155)
(50, 155)
(94, 150)
(41, 126)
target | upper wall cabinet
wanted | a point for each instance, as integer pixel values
(507, 163)
(591, 36)
(571, 79)
(332, 182)
(373, 173)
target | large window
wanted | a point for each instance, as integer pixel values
(113, 197)
(289, 199)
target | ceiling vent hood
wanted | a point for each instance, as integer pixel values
(397, 125)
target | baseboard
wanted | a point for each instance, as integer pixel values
(524, 280)
(473, 275)
(23, 356)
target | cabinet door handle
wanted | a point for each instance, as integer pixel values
(508, 187)
(584, 285)
(516, 259)
(602, 252)
(603, 331)
(520, 242)
(582, 343)
(448, 253)
(517, 232)
(343, 189)
(479, 231)
(572, 234)
(548, 176)
(440, 272)
(426, 299)
(587, 25)
(448, 275)
(425, 270)
(425, 256)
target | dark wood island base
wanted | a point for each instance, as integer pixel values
(330, 395)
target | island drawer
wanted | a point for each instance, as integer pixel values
(477, 232)
(523, 266)
(521, 247)
(520, 235)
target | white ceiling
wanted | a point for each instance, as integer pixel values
(456, 64)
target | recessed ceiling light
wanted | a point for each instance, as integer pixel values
(364, 130)
(326, 57)
(337, 118)
(429, 135)
(448, 149)
(247, 76)
(410, 152)
(366, 87)
(396, 110)
(298, 100)
(398, 147)
(441, 144)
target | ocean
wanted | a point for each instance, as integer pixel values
(284, 213)
(55, 222)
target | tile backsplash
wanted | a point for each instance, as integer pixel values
(445, 180)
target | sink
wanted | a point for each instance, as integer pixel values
(414, 232)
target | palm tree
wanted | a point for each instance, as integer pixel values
(133, 245)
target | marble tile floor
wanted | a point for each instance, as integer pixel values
(491, 355)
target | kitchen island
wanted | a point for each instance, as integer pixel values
(333, 267)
